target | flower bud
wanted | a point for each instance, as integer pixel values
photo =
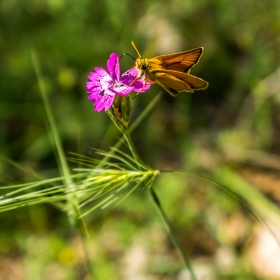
(122, 110)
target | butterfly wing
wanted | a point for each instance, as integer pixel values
(181, 61)
(194, 82)
(172, 84)
(174, 81)
(171, 71)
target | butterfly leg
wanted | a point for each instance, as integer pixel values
(133, 81)
(141, 88)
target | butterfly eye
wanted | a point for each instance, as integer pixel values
(143, 66)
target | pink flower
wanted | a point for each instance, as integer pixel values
(102, 87)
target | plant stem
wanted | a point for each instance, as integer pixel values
(171, 233)
(155, 199)
(132, 149)
(133, 126)
(128, 140)
(72, 202)
(85, 249)
(161, 212)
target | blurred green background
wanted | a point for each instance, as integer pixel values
(229, 132)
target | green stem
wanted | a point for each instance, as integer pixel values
(155, 199)
(85, 248)
(161, 212)
(71, 198)
(132, 149)
(128, 140)
(171, 233)
(134, 125)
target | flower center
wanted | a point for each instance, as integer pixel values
(117, 84)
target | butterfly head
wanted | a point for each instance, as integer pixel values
(141, 65)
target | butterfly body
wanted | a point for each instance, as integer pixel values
(171, 71)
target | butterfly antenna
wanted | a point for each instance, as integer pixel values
(136, 49)
(128, 55)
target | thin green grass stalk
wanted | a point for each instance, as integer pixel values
(129, 163)
(25, 169)
(144, 113)
(135, 124)
(101, 183)
(71, 199)
(244, 189)
(118, 185)
(105, 200)
(238, 197)
(171, 233)
(131, 147)
(139, 162)
(55, 133)
(134, 188)
(267, 90)
(87, 259)
(155, 199)
(22, 194)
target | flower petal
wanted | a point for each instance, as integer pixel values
(138, 85)
(90, 85)
(101, 71)
(100, 78)
(94, 90)
(95, 95)
(105, 102)
(93, 76)
(141, 86)
(113, 66)
(128, 77)
(121, 89)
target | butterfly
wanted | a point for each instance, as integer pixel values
(171, 71)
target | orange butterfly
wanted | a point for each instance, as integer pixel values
(171, 71)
